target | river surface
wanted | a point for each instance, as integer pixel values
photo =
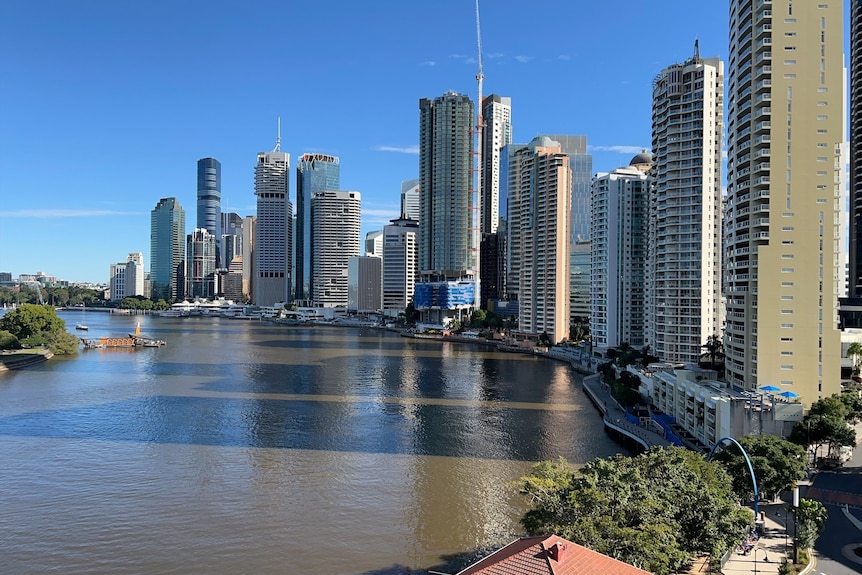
(250, 448)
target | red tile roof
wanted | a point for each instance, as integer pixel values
(549, 556)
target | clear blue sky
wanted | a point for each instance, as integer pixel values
(106, 106)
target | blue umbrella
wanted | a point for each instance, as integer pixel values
(770, 388)
(789, 394)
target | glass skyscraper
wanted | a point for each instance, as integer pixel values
(209, 198)
(314, 173)
(167, 250)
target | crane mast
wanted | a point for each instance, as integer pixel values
(477, 200)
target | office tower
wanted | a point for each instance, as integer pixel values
(542, 200)
(167, 250)
(489, 267)
(117, 281)
(410, 199)
(314, 173)
(579, 278)
(785, 71)
(364, 279)
(273, 230)
(855, 275)
(581, 163)
(135, 274)
(209, 197)
(374, 243)
(231, 237)
(617, 252)
(200, 264)
(249, 255)
(496, 133)
(400, 264)
(683, 289)
(232, 281)
(445, 174)
(335, 225)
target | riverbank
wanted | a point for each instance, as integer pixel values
(20, 360)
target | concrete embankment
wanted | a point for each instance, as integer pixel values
(22, 360)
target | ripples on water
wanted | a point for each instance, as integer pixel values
(244, 447)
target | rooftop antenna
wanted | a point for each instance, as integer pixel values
(277, 147)
(696, 50)
(480, 124)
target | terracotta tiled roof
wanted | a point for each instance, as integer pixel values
(549, 556)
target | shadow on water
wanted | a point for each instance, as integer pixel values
(488, 432)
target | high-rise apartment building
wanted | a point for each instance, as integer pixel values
(581, 163)
(273, 230)
(683, 285)
(200, 264)
(496, 133)
(335, 225)
(410, 199)
(209, 197)
(167, 250)
(400, 264)
(855, 275)
(507, 283)
(445, 173)
(314, 173)
(782, 226)
(618, 239)
(542, 200)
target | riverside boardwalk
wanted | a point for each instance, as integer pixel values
(615, 416)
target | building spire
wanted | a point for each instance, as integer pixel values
(277, 147)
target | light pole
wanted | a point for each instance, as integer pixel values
(755, 559)
(795, 523)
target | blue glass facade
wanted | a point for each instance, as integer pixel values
(167, 250)
(209, 198)
(314, 173)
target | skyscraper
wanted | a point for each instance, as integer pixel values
(167, 250)
(374, 243)
(683, 285)
(314, 173)
(400, 259)
(855, 287)
(497, 133)
(542, 197)
(581, 163)
(445, 174)
(335, 224)
(410, 199)
(231, 238)
(200, 264)
(209, 197)
(782, 231)
(617, 254)
(273, 231)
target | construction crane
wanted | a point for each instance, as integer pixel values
(477, 201)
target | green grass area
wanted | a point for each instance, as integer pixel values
(14, 354)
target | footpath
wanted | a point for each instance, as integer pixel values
(615, 416)
(770, 549)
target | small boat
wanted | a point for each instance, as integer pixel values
(81, 327)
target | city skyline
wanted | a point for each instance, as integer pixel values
(107, 107)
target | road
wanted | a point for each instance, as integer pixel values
(837, 547)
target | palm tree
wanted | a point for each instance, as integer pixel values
(854, 350)
(715, 350)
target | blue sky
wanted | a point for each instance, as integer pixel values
(106, 106)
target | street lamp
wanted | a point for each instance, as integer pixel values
(755, 559)
(795, 523)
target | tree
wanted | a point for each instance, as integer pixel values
(714, 353)
(9, 341)
(777, 464)
(853, 401)
(656, 511)
(29, 320)
(64, 343)
(811, 517)
(854, 351)
(831, 406)
(823, 430)
(478, 318)
(410, 314)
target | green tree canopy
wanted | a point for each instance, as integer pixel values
(656, 511)
(777, 464)
(29, 320)
(823, 430)
(853, 401)
(8, 341)
(831, 406)
(812, 517)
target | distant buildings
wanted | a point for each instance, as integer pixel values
(400, 264)
(364, 289)
(783, 231)
(496, 133)
(167, 250)
(683, 275)
(335, 224)
(542, 197)
(200, 264)
(209, 198)
(273, 230)
(231, 237)
(314, 173)
(127, 278)
(374, 243)
(410, 199)
(617, 255)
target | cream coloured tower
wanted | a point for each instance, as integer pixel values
(682, 286)
(782, 238)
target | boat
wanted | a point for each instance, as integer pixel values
(81, 327)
